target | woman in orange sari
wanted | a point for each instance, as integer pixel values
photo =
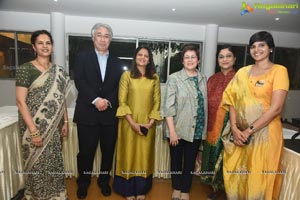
(253, 139)
(253, 147)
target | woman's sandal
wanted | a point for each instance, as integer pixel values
(185, 196)
(176, 195)
(130, 198)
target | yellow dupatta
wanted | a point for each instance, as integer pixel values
(249, 172)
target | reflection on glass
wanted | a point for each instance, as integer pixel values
(76, 45)
(249, 59)
(290, 59)
(126, 63)
(7, 54)
(122, 47)
(125, 48)
(25, 51)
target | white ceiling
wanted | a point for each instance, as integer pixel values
(225, 13)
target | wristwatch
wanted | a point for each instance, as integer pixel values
(251, 127)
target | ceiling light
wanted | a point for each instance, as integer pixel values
(173, 9)
(55, 0)
(277, 18)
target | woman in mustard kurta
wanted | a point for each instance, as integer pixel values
(139, 105)
(254, 99)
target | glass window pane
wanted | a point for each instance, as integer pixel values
(122, 47)
(289, 58)
(127, 63)
(176, 48)
(25, 51)
(160, 51)
(7, 55)
(76, 45)
(249, 59)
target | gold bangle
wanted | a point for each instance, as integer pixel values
(66, 121)
(35, 134)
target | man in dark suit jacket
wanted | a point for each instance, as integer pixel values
(97, 74)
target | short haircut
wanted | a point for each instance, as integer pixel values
(262, 36)
(190, 48)
(99, 25)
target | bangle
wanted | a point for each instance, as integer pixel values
(66, 121)
(35, 134)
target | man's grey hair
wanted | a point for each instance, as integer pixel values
(99, 25)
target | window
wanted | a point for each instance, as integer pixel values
(124, 49)
(15, 49)
(76, 45)
(166, 54)
(290, 59)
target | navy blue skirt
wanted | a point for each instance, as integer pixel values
(133, 187)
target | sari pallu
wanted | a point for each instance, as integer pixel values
(43, 168)
(212, 156)
(251, 171)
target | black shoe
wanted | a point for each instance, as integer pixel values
(106, 190)
(82, 191)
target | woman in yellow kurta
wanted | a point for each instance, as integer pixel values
(254, 99)
(139, 105)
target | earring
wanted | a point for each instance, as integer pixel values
(271, 51)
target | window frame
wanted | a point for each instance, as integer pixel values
(138, 40)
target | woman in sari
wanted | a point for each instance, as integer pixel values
(213, 147)
(139, 106)
(253, 139)
(40, 96)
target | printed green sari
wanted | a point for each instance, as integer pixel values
(43, 166)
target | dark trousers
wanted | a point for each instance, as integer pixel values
(183, 157)
(88, 138)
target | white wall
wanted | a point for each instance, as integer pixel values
(134, 28)
(24, 21)
(242, 36)
(142, 29)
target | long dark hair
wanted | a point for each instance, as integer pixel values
(150, 68)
